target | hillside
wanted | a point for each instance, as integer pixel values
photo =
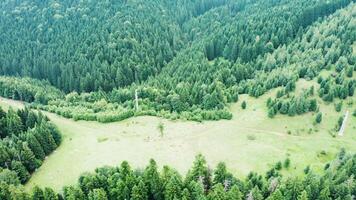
(258, 94)
(195, 59)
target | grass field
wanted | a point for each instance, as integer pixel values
(250, 141)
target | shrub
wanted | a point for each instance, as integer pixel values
(338, 106)
(286, 163)
(244, 105)
(319, 118)
(278, 165)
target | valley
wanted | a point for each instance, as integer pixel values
(242, 143)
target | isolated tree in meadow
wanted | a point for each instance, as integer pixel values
(319, 118)
(160, 128)
(243, 105)
(338, 106)
(286, 163)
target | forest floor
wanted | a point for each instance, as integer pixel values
(250, 141)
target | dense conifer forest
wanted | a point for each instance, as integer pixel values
(187, 60)
(183, 59)
(26, 138)
(200, 183)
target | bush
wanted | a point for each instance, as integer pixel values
(244, 105)
(286, 163)
(319, 118)
(338, 106)
(278, 165)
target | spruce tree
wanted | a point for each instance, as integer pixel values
(20, 170)
(97, 194)
(37, 194)
(28, 158)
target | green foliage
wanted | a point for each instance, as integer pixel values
(286, 163)
(243, 105)
(160, 128)
(28, 90)
(187, 59)
(278, 166)
(123, 183)
(338, 106)
(26, 139)
(319, 117)
(292, 105)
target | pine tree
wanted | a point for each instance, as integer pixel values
(234, 193)
(49, 194)
(217, 193)
(244, 105)
(200, 172)
(220, 174)
(303, 196)
(173, 189)
(37, 194)
(31, 120)
(319, 118)
(28, 158)
(97, 194)
(35, 146)
(271, 112)
(139, 192)
(255, 194)
(276, 195)
(153, 181)
(325, 194)
(20, 170)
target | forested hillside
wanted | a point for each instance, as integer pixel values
(201, 183)
(92, 45)
(187, 60)
(26, 138)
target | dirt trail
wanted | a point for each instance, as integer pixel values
(344, 123)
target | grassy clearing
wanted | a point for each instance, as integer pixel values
(250, 141)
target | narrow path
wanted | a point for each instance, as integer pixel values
(343, 126)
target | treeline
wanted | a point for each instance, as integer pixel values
(249, 47)
(192, 87)
(337, 86)
(202, 183)
(292, 105)
(28, 90)
(26, 138)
